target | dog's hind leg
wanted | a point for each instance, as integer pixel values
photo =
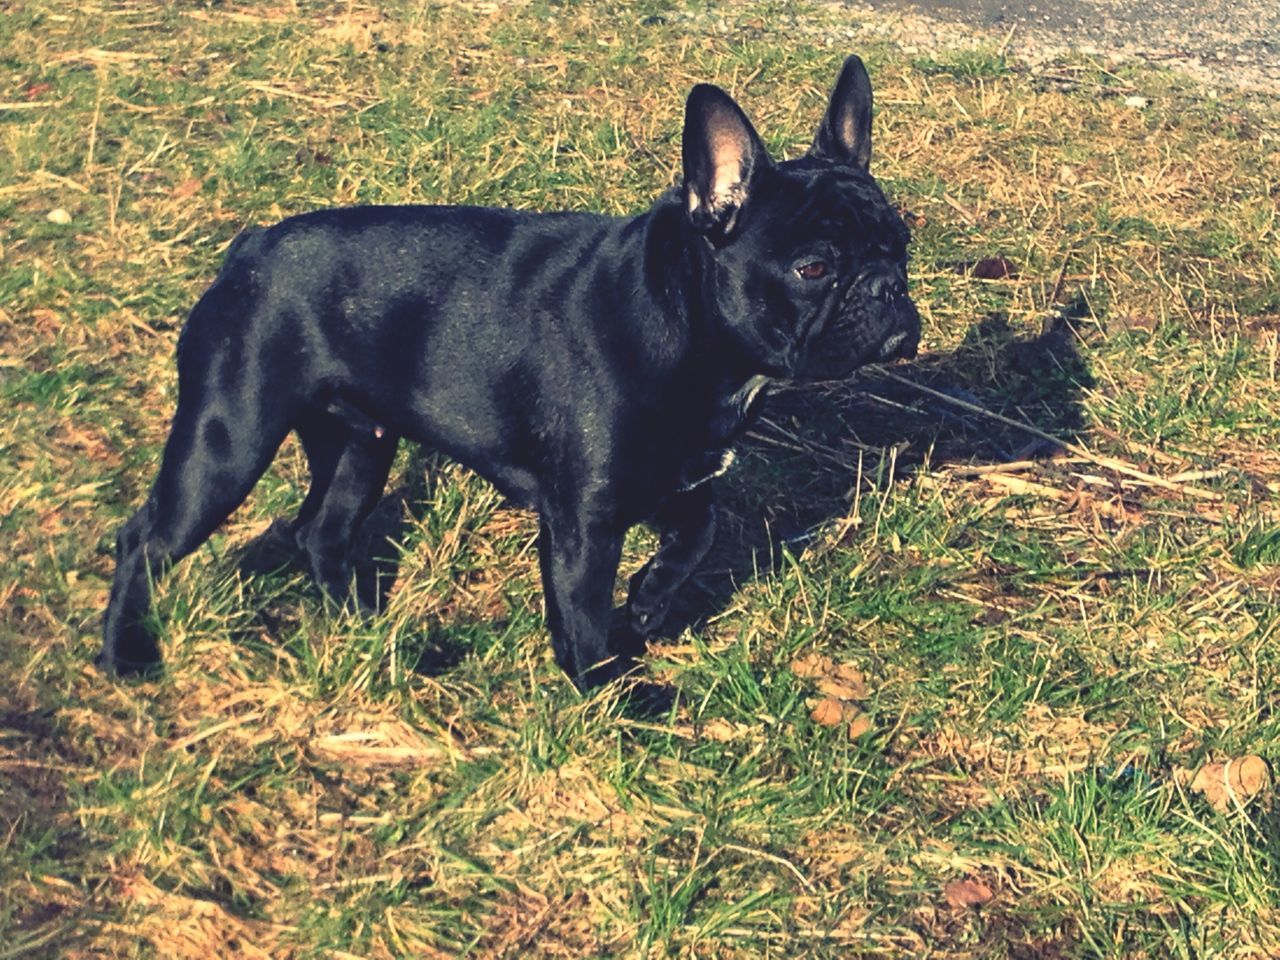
(324, 437)
(225, 432)
(349, 467)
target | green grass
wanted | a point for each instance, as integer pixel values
(1051, 639)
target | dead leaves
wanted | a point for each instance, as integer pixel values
(189, 927)
(1105, 509)
(993, 268)
(967, 894)
(830, 711)
(841, 680)
(187, 188)
(1228, 785)
(860, 726)
(842, 685)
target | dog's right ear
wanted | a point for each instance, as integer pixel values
(722, 154)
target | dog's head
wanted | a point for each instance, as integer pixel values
(807, 260)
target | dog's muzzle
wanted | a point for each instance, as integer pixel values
(904, 336)
(892, 344)
(875, 322)
(889, 288)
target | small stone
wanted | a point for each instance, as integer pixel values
(58, 216)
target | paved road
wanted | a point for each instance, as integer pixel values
(1228, 42)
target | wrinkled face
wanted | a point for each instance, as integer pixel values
(806, 262)
(814, 281)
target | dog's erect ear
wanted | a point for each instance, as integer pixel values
(844, 136)
(722, 152)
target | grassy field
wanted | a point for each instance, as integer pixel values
(1038, 642)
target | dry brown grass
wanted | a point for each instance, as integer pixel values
(1048, 630)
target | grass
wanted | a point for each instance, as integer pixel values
(1050, 634)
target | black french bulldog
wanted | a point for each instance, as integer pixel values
(595, 369)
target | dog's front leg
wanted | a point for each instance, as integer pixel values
(688, 526)
(579, 555)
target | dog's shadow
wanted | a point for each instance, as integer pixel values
(802, 462)
(376, 567)
(813, 446)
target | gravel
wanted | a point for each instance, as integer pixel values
(1231, 44)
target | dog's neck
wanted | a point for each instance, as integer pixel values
(724, 389)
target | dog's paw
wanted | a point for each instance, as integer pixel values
(646, 607)
(276, 548)
(625, 639)
(128, 668)
(646, 614)
(607, 671)
(647, 700)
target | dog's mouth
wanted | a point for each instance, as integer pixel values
(892, 344)
(900, 346)
(869, 333)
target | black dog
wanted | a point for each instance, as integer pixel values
(597, 370)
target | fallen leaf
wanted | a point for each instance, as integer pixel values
(850, 674)
(831, 711)
(967, 893)
(994, 268)
(844, 689)
(187, 188)
(860, 726)
(842, 680)
(813, 665)
(1230, 784)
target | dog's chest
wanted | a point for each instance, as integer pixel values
(732, 418)
(704, 467)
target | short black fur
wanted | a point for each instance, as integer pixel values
(597, 370)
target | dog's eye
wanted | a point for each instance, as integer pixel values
(813, 270)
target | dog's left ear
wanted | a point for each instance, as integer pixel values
(844, 136)
(722, 154)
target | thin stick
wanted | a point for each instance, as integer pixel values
(773, 858)
(28, 105)
(1119, 466)
(93, 125)
(1013, 466)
